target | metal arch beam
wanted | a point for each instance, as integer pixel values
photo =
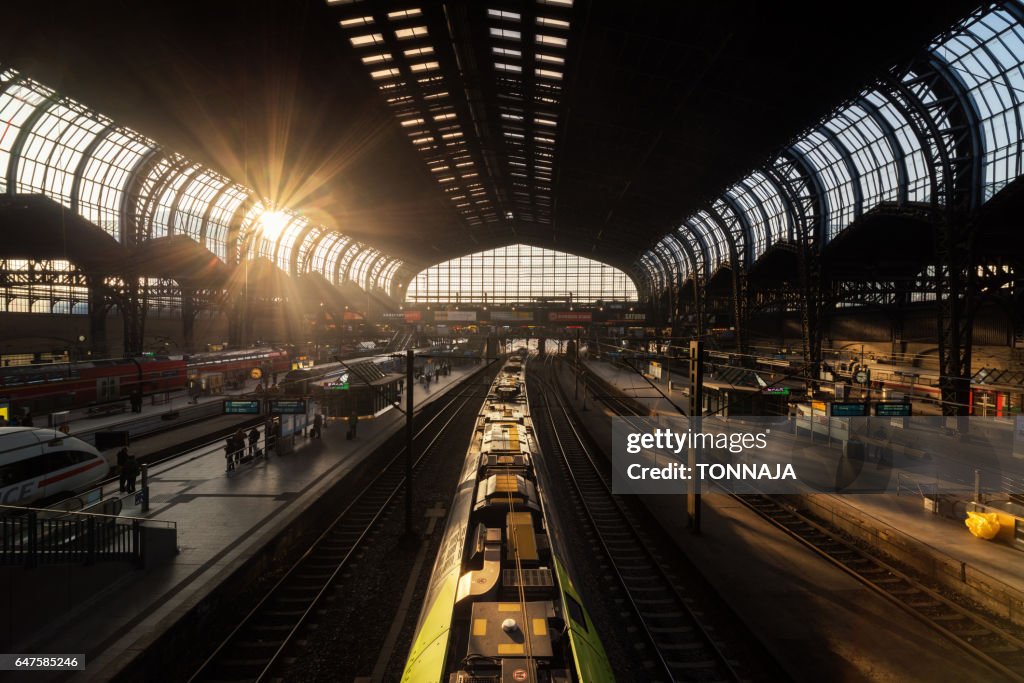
(179, 194)
(144, 218)
(926, 130)
(238, 244)
(746, 230)
(818, 194)
(696, 238)
(18, 147)
(300, 239)
(280, 239)
(388, 262)
(899, 154)
(204, 223)
(974, 176)
(719, 224)
(370, 283)
(699, 275)
(666, 271)
(790, 200)
(355, 247)
(760, 209)
(851, 169)
(87, 154)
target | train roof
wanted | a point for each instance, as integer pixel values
(14, 438)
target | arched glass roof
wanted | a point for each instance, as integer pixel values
(520, 274)
(869, 151)
(114, 177)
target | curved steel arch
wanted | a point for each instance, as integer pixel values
(899, 154)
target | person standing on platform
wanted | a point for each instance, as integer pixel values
(122, 469)
(239, 444)
(229, 453)
(318, 424)
(353, 424)
(269, 435)
(254, 441)
(132, 472)
(26, 421)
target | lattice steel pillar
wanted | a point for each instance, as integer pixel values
(99, 308)
(956, 294)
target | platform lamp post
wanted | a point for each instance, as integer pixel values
(696, 407)
(410, 379)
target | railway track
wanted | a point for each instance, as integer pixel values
(681, 645)
(995, 646)
(260, 645)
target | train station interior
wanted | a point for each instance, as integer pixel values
(481, 341)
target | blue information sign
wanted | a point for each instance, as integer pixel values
(892, 409)
(288, 406)
(849, 409)
(238, 407)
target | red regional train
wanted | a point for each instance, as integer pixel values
(64, 386)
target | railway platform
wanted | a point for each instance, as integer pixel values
(224, 519)
(940, 549)
(939, 546)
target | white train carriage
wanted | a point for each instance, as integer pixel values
(38, 464)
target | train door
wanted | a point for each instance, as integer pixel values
(108, 388)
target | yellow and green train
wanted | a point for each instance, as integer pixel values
(501, 605)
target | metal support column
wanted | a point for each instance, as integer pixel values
(696, 409)
(410, 382)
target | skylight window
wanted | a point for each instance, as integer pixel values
(412, 122)
(414, 32)
(553, 41)
(444, 117)
(356, 21)
(405, 14)
(377, 59)
(419, 51)
(425, 66)
(507, 52)
(556, 3)
(550, 59)
(384, 73)
(552, 23)
(544, 122)
(435, 96)
(505, 33)
(368, 39)
(511, 68)
(502, 14)
(548, 73)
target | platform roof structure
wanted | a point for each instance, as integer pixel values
(429, 130)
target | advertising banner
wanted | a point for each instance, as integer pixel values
(570, 316)
(502, 316)
(413, 316)
(455, 316)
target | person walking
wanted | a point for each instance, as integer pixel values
(254, 442)
(122, 469)
(132, 469)
(353, 424)
(318, 424)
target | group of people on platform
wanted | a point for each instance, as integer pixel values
(245, 446)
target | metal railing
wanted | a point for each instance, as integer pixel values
(35, 536)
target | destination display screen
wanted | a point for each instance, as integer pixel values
(892, 409)
(849, 409)
(234, 407)
(286, 406)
